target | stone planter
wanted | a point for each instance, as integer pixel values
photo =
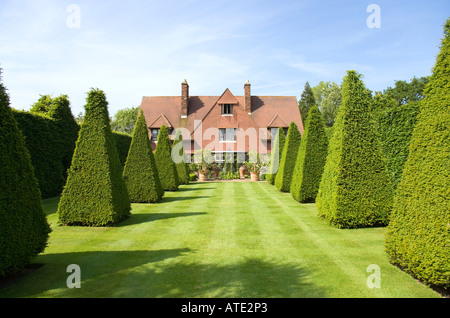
(254, 176)
(203, 175)
(242, 170)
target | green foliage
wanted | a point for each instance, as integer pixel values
(95, 193)
(418, 234)
(125, 119)
(306, 101)
(140, 172)
(23, 227)
(50, 137)
(405, 92)
(123, 143)
(396, 125)
(182, 166)
(355, 190)
(166, 167)
(311, 158)
(275, 155)
(288, 159)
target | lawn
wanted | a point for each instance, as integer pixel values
(223, 239)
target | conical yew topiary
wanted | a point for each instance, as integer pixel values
(418, 234)
(311, 158)
(95, 193)
(166, 167)
(288, 158)
(182, 166)
(23, 225)
(140, 173)
(355, 190)
(275, 155)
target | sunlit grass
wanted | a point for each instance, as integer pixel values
(230, 239)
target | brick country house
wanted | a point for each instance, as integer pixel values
(224, 124)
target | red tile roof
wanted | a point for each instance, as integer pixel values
(266, 112)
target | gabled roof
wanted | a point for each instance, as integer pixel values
(159, 121)
(227, 98)
(277, 121)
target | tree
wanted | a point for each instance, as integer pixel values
(418, 235)
(331, 101)
(24, 229)
(182, 166)
(288, 158)
(405, 92)
(355, 190)
(275, 155)
(95, 193)
(125, 119)
(140, 172)
(306, 101)
(311, 158)
(166, 167)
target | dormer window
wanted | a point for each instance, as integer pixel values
(227, 109)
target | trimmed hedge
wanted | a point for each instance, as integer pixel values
(123, 143)
(50, 133)
(396, 125)
(355, 189)
(95, 193)
(288, 159)
(182, 167)
(166, 167)
(418, 234)
(140, 173)
(24, 229)
(275, 155)
(311, 158)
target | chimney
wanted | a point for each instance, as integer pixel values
(184, 98)
(247, 97)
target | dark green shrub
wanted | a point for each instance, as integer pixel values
(123, 142)
(355, 190)
(182, 166)
(396, 125)
(418, 234)
(288, 159)
(23, 226)
(311, 157)
(166, 167)
(275, 155)
(95, 193)
(140, 173)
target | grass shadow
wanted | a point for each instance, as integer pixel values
(164, 274)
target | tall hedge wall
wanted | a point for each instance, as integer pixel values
(95, 193)
(23, 225)
(311, 157)
(50, 138)
(288, 158)
(355, 189)
(418, 235)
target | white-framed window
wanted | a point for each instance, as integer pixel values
(227, 109)
(155, 133)
(219, 157)
(227, 134)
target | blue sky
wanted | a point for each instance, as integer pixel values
(132, 48)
